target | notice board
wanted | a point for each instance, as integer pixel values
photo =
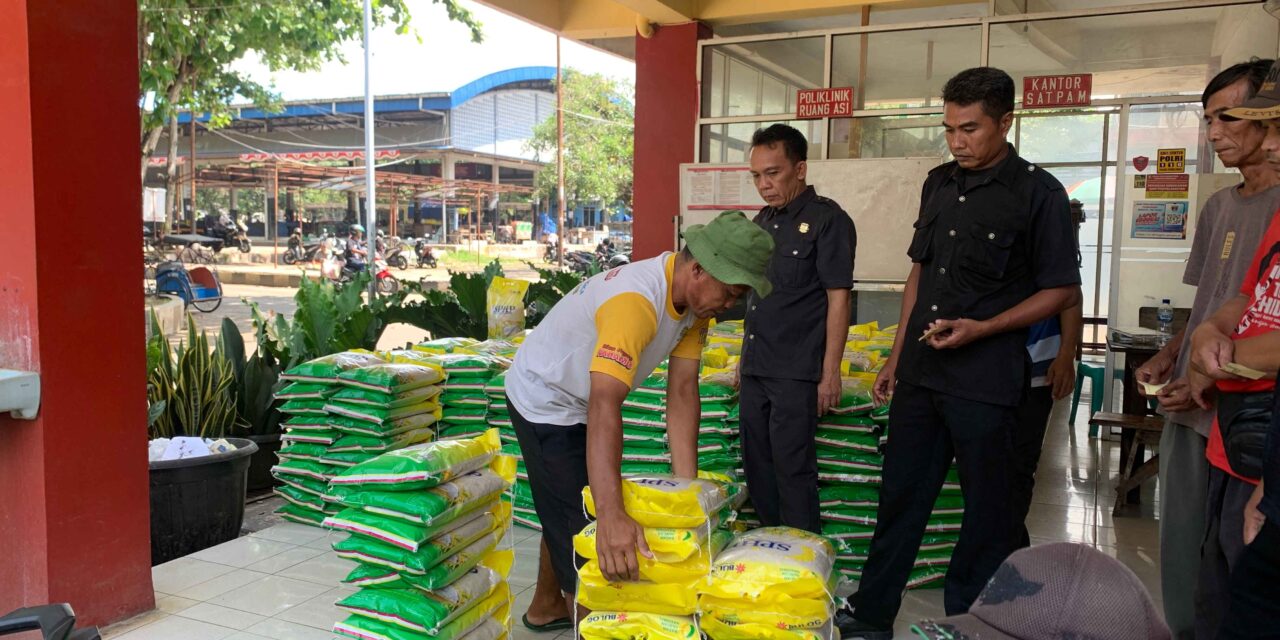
(882, 195)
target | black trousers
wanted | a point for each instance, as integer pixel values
(927, 429)
(556, 459)
(1028, 438)
(778, 422)
(1221, 550)
(1255, 608)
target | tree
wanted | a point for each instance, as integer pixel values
(599, 141)
(186, 49)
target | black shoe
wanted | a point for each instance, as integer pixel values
(852, 628)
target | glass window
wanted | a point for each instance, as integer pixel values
(889, 13)
(1143, 54)
(744, 90)
(888, 137)
(731, 142)
(903, 68)
(757, 73)
(1164, 126)
(1020, 7)
(1065, 137)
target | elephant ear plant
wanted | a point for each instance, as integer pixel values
(191, 388)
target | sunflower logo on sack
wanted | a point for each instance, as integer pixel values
(740, 567)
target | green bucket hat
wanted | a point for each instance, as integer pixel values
(733, 249)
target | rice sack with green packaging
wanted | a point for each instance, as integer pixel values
(357, 396)
(306, 391)
(346, 425)
(392, 378)
(464, 531)
(494, 607)
(438, 504)
(443, 345)
(397, 532)
(437, 576)
(429, 612)
(425, 465)
(327, 368)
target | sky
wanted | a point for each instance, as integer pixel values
(445, 59)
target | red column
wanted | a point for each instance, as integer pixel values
(666, 115)
(74, 510)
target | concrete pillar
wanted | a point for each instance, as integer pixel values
(74, 518)
(447, 172)
(666, 115)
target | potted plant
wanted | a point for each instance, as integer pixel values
(257, 379)
(196, 502)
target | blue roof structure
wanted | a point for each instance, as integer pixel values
(396, 104)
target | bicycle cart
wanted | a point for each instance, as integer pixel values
(198, 287)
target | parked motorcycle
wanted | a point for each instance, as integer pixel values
(232, 233)
(426, 258)
(300, 252)
(396, 257)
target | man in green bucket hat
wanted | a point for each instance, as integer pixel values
(571, 375)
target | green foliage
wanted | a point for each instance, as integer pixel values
(188, 49)
(257, 378)
(329, 318)
(599, 141)
(551, 286)
(461, 311)
(191, 389)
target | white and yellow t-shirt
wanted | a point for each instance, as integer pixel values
(621, 323)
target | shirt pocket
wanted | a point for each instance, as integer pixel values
(794, 264)
(921, 249)
(988, 250)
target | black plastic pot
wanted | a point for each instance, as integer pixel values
(260, 462)
(197, 503)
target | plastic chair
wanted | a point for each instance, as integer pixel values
(1097, 374)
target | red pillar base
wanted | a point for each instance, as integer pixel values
(74, 517)
(666, 115)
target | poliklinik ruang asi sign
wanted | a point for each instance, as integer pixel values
(1042, 92)
(836, 102)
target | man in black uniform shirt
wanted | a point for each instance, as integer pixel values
(790, 369)
(993, 253)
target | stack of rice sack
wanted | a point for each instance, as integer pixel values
(425, 524)
(464, 401)
(774, 583)
(850, 444)
(302, 471)
(681, 521)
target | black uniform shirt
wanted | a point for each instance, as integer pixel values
(984, 242)
(785, 333)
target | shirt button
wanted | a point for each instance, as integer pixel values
(991, 236)
(1031, 167)
(752, 337)
(795, 252)
(942, 270)
(952, 233)
(775, 226)
(961, 198)
(933, 307)
(753, 307)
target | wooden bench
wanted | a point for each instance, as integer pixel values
(1136, 432)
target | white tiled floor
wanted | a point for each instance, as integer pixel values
(281, 582)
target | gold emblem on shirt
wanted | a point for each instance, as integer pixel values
(1227, 244)
(804, 227)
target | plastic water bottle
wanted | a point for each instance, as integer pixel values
(1164, 321)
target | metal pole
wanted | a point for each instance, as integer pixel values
(559, 158)
(274, 218)
(370, 186)
(193, 172)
